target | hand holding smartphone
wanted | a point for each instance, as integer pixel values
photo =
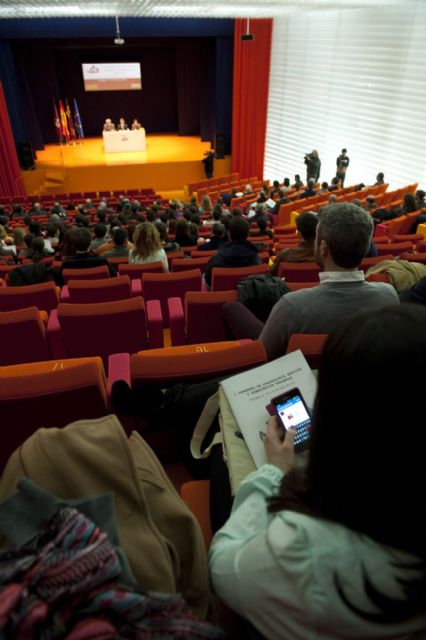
(291, 411)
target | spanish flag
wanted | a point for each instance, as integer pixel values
(64, 124)
(70, 121)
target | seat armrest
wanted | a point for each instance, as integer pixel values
(155, 324)
(176, 321)
(118, 369)
(55, 337)
(136, 284)
(65, 294)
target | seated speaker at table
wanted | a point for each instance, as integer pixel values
(109, 125)
(136, 125)
(122, 125)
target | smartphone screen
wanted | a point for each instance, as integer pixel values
(293, 412)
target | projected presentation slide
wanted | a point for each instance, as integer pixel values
(112, 76)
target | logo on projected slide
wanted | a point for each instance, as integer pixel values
(93, 69)
(124, 138)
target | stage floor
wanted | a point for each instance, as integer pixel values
(169, 162)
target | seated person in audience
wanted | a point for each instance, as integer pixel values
(83, 258)
(5, 251)
(194, 232)
(275, 188)
(168, 245)
(136, 125)
(370, 204)
(217, 240)
(206, 206)
(38, 250)
(109, 125)
(58, 210)
(335, 184)
(37, 210)
(336, 547)
(380, 179)
(148, 246)
(236, 253)
(306, 224)
(262, 229)
(119, 244)
(332, 198)
(342, 240)
(420, 199)
(298, 183)
(183, 236)
(409, 205)
(310, 189)
(99, 236)
(53, 233)
(282, 199)
(324, 188)
(28, 241)
(286, 185)
(122, 125)
(19, 239)
(87, 206)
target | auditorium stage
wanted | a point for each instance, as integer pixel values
(169, 162)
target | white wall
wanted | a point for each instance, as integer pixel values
(354, 79)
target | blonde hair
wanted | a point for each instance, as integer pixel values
(3, 234)
(146, 240)
(206, 203)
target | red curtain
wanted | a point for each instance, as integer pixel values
(250, 98)
(11, 182)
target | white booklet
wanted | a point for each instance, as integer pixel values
(250, 392)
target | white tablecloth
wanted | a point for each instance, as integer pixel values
(116, 141)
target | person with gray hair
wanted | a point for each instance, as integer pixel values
(343, 237)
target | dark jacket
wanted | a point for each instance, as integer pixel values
(234, 254)
(417, 293)
(185, 241)
(214, 243)
(308, 193)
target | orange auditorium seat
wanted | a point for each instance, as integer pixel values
(311, 346)
(44, 296)
(49, 394)
(23, 336)
(196, 494)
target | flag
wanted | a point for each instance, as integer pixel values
(57, 122)
(77, 121)
(70, 121)
(64, 124)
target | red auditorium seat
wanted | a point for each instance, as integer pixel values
(44, 296)
(49, 394)
(299, 271)
(200, 318)
(93, 291)
(81, 330)
(85, 274)
(226, 278)
(183, 264)
(23, 336)
(162, 286)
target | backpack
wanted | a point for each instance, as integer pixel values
(260, 292)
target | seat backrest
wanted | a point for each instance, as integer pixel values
(227, 278)
(93, 273)
(162, 286)
(23, 336)
(103, 328)
(311, 346)
(368, 262)
(44, 296)
(406, 227)
(299, 271)
(136, 271)
(183, 264)
(103, 290)
(48, 394)
(203, 315)
(194, 362)
(394, 248)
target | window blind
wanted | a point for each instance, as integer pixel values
(353, 79)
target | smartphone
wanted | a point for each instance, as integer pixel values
(291, 410)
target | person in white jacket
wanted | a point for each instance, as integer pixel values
(337, 549)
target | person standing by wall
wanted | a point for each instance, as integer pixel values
(342, 164)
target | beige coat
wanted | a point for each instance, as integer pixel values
(403, 274)
(157, 531)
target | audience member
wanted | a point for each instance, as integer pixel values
(323, 189)
(183, 236)
(262, 229)
(337, 547)
(310, 189)
(298, 184)
(217, 240)
(148, 246)
(83, 259)
(420, 199)
(99, 232)
(239, 252)
(119, 243)
(380, 179)
(168, 245)
(282, 199)
(343, 238)
(306, 224)
(206, 206)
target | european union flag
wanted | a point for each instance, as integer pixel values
(77, 122)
